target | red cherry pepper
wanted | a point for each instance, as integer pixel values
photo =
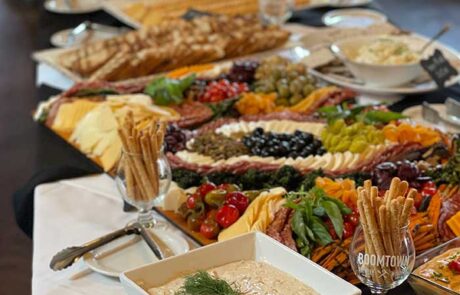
(192, 200)
(429, 189)
(454, 265)
(227, 215)
(209, 229)
(206, 188)
(237, 199)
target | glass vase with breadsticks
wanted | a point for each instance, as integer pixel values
(143, 175)
(382, 253)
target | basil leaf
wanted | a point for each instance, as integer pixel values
(319, 211)
(298, 226)
(333, 212)
(381, 117)
(166, 91)
(343, 208)
(321, 233)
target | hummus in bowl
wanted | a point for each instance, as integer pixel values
(246, 277)
(380, 61)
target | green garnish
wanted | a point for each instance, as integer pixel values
(167, 91)
(202, 283)
(310, 207)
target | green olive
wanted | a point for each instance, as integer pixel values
(215, 198)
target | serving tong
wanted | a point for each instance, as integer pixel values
(70, 255)
(432, 115)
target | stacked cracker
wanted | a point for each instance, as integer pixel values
(172, 44)
(141, 150)
(382, 220)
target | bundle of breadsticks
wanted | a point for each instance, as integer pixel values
(382, 220)
(141, 149)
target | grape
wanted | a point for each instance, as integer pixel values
(384, 173)
(408, 171)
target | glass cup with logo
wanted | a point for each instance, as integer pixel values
(385, 264)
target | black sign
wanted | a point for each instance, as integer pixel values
(439, 68)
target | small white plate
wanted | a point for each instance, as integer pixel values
(131, 252)
(353, 18)
(60, 39)
(72, 6)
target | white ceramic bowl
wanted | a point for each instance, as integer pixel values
(375, 75)
(252, 246)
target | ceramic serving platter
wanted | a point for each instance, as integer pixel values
(252, 246)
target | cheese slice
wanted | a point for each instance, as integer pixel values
(174, 198)
(96, 134)
(69, 114)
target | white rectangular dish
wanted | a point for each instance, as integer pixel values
(252, 246)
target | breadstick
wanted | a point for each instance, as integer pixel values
(408, 205)
(403, 186)
(394, 226)
(394, 188)
(140, 192)
(376, 239)
(385, 225)
(367, 237)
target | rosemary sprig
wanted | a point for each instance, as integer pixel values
(203, 283)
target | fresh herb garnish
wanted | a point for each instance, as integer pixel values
(360, 113)
(310, 208)
(202, 283)
(449, 173)
(167, 91)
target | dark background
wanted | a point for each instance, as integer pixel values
(26, 147)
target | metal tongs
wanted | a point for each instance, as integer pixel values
(452, 106)
(68, 256)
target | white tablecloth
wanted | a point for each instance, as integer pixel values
(69, 213)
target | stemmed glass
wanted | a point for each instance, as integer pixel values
(137, 194)
(382, 272)
(276, 12)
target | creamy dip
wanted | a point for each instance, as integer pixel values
(249, 277)
(437, 270)
(386, 52)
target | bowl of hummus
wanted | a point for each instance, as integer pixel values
(252, 264)
(380, 61)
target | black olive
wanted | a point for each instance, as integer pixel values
(258, 131)
(307, 137)
(264, 153)
(316, 144)
(298, 133)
